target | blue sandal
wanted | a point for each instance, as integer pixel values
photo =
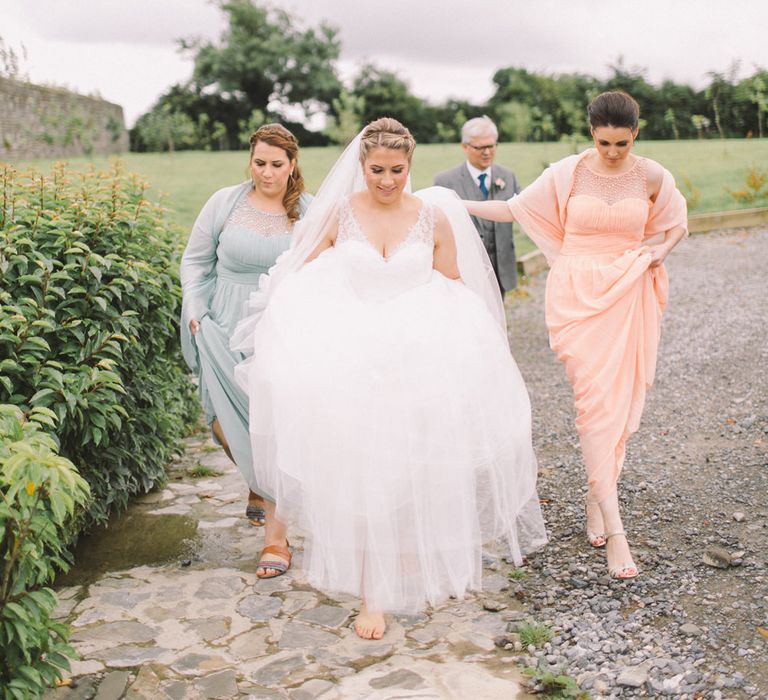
(255, 515)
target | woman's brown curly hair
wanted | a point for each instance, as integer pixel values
(277, 135)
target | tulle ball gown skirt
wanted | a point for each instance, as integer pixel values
(395, 432)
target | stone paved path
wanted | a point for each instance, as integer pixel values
(205, 627)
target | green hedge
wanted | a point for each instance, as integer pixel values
(40, 494)
(89, 307)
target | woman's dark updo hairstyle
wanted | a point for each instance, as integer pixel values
(615, 108)
(277, 135)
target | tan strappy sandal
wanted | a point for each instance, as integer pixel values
(280, 566)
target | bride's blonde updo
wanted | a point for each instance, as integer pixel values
(387, 133)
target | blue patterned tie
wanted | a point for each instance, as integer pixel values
(483, 188)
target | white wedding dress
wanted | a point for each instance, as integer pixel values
(391, 422)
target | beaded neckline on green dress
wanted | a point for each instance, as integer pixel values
(262, 222)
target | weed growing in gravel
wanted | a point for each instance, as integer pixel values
(554, 685)
(516, 574)
(534, 633)
(200, 470)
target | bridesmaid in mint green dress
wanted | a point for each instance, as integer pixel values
(238, 235)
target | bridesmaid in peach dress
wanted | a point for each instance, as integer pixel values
(606, 220)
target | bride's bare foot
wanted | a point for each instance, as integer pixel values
(370, 625)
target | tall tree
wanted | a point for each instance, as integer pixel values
(165, 129)
(538, 103)
(344, 124)
(575, 90)
(632, 79)
(514, 120)
(450, 116)
(717, 86)
(759, 97)
(385, 94)
(11, 61)
(679, 103)
(265, 61)
(721, 95)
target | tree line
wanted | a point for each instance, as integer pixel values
(267, 67)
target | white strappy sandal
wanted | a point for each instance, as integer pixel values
(596, 539)
(625, 570)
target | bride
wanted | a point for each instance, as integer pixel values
(387, 414)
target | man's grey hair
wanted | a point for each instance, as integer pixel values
(475, 127)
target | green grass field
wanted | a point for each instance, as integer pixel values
(185, 180)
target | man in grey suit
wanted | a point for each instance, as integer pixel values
(477, 179)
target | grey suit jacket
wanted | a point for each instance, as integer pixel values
(497, 237)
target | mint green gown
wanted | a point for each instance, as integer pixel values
(248, 246)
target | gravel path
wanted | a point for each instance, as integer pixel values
(695, 487)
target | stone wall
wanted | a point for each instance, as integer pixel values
(44, 122)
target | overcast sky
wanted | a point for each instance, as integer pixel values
(126, 49)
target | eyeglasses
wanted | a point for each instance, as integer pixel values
(480, 149)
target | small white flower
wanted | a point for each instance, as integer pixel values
(500, 183)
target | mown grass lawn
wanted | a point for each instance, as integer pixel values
(185, 180)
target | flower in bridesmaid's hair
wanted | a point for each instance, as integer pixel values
(499, 183)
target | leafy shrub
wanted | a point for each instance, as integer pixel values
(88, 324)
(40, 493)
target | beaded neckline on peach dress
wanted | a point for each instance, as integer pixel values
(631, 184)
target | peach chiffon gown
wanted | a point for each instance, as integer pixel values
(603, 301)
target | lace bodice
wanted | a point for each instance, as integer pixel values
(611, 188)
(375, 277)
(421, 231)
(264, 223)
